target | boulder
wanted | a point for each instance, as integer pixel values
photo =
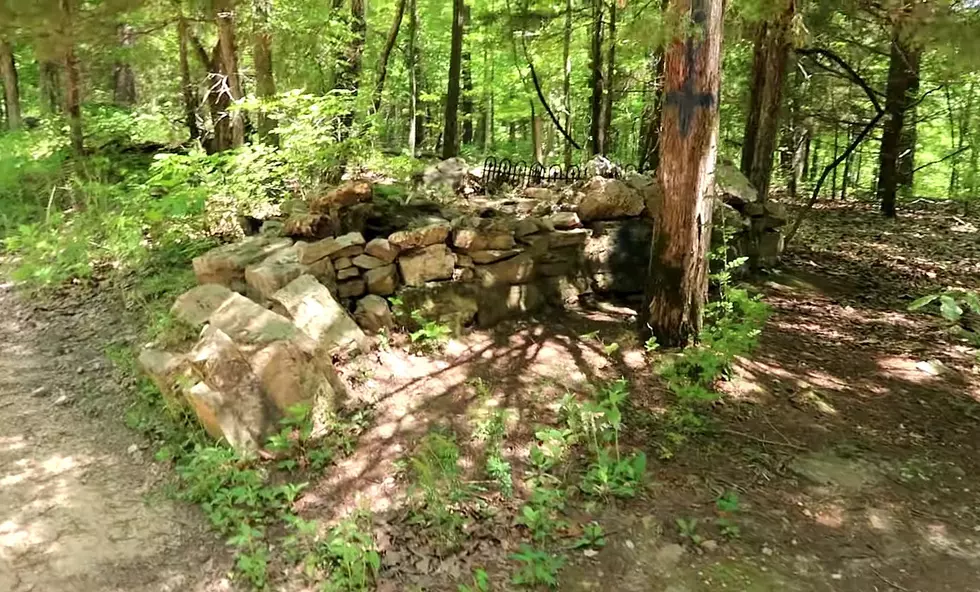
(563, 290)
(323, 270)
(463, 260)
(171, 373)
(451, 174)
(249, 324)
(230, 402)
(516, 270)
(381, 248)
(368, 262)
(451, 303)
(277, 270)
(424, 236)
(648, 186)
(382, 281)
(435, 262)
(558, 239)
(329, 247)
(617, 255)
(351, 288)
(733, 188)
(195, 306)
(564, 221)
(484, 257)
(726, 222)
(305, 225)
(373, 314)
(313, 309)
(348, 194)
(226, 265)
(600, 166)
(272, 228)
(776, 215)
(291, 377)
(609, 199)
(488, 239)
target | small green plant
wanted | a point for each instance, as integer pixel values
(537, 567)
(431, 335)
(651, 345)
(492, 431)
(687, 528)
(727, 506)
(958, 307)
(593, 537)
(479, 582)
(295, 445)
(437, 480)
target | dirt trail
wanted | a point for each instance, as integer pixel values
(79, 510)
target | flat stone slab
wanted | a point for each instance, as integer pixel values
(314, 310)
(226, 264)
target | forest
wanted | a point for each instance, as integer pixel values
(479, 295)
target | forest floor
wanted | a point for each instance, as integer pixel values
(851, 437)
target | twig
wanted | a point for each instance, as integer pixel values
(943, 159)
(763, 440)
(889, 582)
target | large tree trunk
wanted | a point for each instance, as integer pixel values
(678, 281)
(123, 77)
(450, 141)
(186, 85)
(610, 82)
(73, 94)
(906, 149)
(598, 140)
(49, 84)
(231, 89)
(350, 71)
(386, 53)
(265, 81)
(898, 100)
(11, 91)
(467, 96)
(413, 78)
(766, 96)
(652, 115)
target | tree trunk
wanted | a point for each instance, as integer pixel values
(11, 91)
(610, 82)
(536, 140)
(73, 94)
(450, 142)
(265, 81)
(186, 86)
(413, 80)
(50, 86)
(467, 97)
(652, 115)
(123, 77)
(848, 163)
(598, 140)
(766, 96)
(815, 160)
(800, 160)
(678, 281)
(231, 89)
(902, 73)
(386, 52)
(906, 150)
(567, 83)
(350, 70)
(833, 184)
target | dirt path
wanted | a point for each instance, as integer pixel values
(79, 510)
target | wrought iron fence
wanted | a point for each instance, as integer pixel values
(519, 174)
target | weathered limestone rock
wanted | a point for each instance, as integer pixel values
(373, 314)
(195, 306)
(564, 221)
(527, 226)
(382, 281)
(342, 263)
(516, 270)
(314, 310)
(559, 239)
(732, 187)
(324, 272)
(617, 255)
(351, 288)
(484, 257)
(368, 262)
(290, 377)
(451, 173)
(464, 260)
(423, 236)
(726, 221)
(272, 228)
(561, 291)
(648, 186)
(348, 245)
(233, 402)
(541, 194)
(226, 265)
(490, 239)
(776, 215)
(329, 247)
(505, 302)
(435, 262)
(277, 270)
(249, 324)
(348, 273)
(381, 248)
(452, 303)
(609, 199)
(171, 373)
(348, 194)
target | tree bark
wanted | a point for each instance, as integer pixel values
(350, 71)
(123, 77)
(49, 84)
(598, 141)
(898, 100)
(567, 82)
(11, 90)
(413, 81)
(186, 86)
(467, 96)
(231, 86)
(536, 140)
(450, 141)
(652, 115)
(678, 280)
(771, 54)
(909, 138)
(73, 93)
(386, 52)
(610, 82)
(265, 81)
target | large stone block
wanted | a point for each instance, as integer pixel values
(195, 306)
(609, 199)
(291, 377)
(381, 248)
(373, 314)
(171, 373)
(516, 270)
(348, 194)
(487, 239)
(313, 309)
(269, 276)
(452, 303)
(382, 281)
(617, 255)
(424, 236)
(435, 262)
(507, 302)
(249, 324)
(226, 265)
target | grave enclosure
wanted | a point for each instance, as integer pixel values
(275, 308)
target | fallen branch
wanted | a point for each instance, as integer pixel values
(943, 159)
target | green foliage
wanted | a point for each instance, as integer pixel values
(593, 537)
(437, 480)
(537, 568)
(955, 306)
(431, 335)
(480, 583)
(728, 506)
(687, 528)
(492, 431)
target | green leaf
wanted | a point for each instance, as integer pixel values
(950, 310)
(921, 302)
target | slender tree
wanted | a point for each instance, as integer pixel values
(598, 140)
(11, 89)
(73, 92)
(567, 82)
(450, 140)
(466, 99)
(610, 82)
(386, 52)
(265, 81)
(352, 62)
(229, 80)
(678, 280)
(187, 90)
(123, 75)
(49, 83)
